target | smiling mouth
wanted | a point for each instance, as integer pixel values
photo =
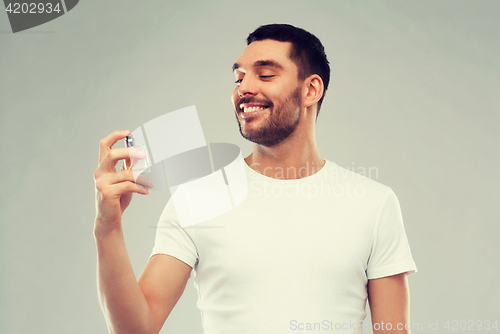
(250, 108)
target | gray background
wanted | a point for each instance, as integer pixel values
(414, 93)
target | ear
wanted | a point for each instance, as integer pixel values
(312, 90)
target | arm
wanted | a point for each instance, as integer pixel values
(132, 306)
(127, 306)
(162, 283)
(389, 300)
(123, 304)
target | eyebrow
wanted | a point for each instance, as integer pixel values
(260, 63)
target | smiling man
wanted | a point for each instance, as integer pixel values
(260, 120)
(280, 87)
(307, 248)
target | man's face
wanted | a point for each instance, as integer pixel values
(267, 97)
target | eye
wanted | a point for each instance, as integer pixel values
(266, 77)
(238, 81)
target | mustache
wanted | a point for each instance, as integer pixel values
(251, 99)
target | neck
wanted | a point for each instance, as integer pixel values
(294, 158)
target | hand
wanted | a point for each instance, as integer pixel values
(114, 189)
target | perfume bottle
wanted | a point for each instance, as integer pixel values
(143, 166)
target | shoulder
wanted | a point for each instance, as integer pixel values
(364, 178)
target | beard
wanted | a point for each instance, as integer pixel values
(282, 121)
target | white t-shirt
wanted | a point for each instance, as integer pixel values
(295, 256)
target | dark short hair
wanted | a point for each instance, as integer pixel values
(307, 52)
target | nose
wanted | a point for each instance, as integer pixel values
(247, 87)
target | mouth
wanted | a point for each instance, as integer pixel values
(250, 109)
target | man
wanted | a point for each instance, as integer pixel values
(285, 259)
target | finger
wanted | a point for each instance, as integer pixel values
(124, 176)
(108, 164)
(118, 189)
(143, 180)
(107, 142)
(128, 164)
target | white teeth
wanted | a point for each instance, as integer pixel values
(251, 109)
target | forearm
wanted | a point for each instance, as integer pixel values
(124, 306)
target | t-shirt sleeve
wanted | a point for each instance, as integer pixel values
(390, 253)
(172, 239)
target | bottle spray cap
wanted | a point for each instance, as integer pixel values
(129, 141)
